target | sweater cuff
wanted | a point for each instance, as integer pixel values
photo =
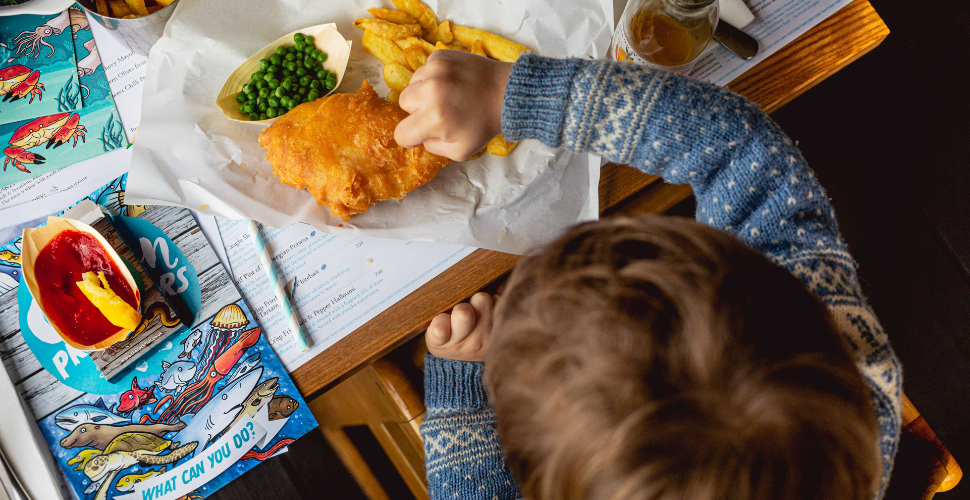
(536, 97)
(453, 384)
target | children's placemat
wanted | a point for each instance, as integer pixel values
(210, 404)
(38, 67)
(36, 146)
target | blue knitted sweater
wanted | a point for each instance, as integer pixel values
(749, 180)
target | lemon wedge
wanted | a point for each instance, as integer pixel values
(116, 310)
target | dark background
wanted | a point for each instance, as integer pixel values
(889, 137)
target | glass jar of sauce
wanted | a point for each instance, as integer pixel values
(665, 34)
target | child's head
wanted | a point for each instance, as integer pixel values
(656, 358)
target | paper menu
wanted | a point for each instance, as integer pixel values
(777, 23)
(338, 283)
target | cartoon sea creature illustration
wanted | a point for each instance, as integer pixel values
(196, 394)
(162, 312)
(218, 413)
(8, 257)
(245, 366)
(261, 395)
(54, 129)
(263, 455)
(78, 20)
(87, 66)
(175, 375)
(9, 279)
(128, 481)
(194, 339)
(82, 458)
(97, 413)
(98, 436)
(136, 397)
(18, 81)
(228, 318)
(28, 42)
(282, 406)
(130, 449)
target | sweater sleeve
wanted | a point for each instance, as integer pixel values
(748, 178)
(463, 456)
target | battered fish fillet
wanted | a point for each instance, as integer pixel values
(341, 149)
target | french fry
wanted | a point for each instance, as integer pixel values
(163, 3)
(119, 8)
(458, 46)
(387, 29)
(476, 155)
(495, 46)
(415, 57)
(441, 34)
(412, 41)
(386, 51)
(155, 8)
(393, 96)
(397, 76)
(479, 48)
(394, 16)
(102, 7)
(498, 146)
(137, 7)
(441, 46)
(419, 11)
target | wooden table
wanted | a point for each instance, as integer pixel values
(813, 57)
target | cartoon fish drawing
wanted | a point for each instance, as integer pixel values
(127, 482)
(261, 395)
(194, 339)
(176, 375)
(136, 397)
(282, 406)
(97, 413)
(246, 366)
(213, 418)
(98, 436)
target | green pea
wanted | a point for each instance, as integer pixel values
(253, 116)
(263, 64)
(321, 57)
(309, 63)
(241, 97)
(302, 91)
(291, 49)
(271, 112)
(298, 37)
(281, 90)
(315, 84)
(312, 95)
(292, 104)
(273, 84)
(304, 81)
(260, 100)
(262, 116)
(280, 50)
(321, 75)
(331, 81)
(309, 39)
(300, 46)
(249, 88)
(290, 66)
(275, 59)
(286, 73)
(273, 101)
(257, 76)
(253, 77)
(300, 72)
(261, 85)
(290, 57)
(262, 107)
(269, 76)
(273, 69)
(263, 92)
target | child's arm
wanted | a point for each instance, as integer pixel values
(463, 457)
(749, 179)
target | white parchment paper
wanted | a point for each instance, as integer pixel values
(187, 153)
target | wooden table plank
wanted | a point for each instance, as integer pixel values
(823, 50)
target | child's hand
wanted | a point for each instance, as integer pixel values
(462, 335)
(455, 101)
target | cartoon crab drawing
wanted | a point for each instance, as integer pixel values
(18, 81)
(55, 130)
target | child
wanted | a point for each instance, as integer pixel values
(654, 357)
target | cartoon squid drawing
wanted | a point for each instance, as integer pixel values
(29, 42)
(87, 65)
(55, 130)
